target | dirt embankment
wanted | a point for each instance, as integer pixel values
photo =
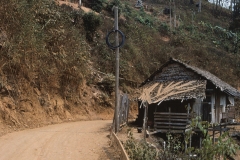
(26, 103)
(34, 108)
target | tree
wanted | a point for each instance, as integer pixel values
(235, 25)
(200, 6)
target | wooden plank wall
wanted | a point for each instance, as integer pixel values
(171, 122)
(124, 109)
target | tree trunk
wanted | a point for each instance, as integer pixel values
(200, 6)
(170, 15)
(174, 14)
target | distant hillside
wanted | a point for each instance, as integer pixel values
(55, 65)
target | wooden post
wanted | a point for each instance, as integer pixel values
(117, 72)
(200, 143)
(185, 142)
(213, 135)
(120, 110)
(169, 110)
(127, 110)
(220, 129)
(190, 143)
(170, 15)
(145, 121)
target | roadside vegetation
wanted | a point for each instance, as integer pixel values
(179, 146)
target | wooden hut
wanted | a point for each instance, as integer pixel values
(176, 91)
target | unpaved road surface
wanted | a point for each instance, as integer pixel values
(84, 140)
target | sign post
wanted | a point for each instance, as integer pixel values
(117, 72)
(115, 46)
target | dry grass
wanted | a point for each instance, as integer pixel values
(45, 44)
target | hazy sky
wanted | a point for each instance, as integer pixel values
(224, 3)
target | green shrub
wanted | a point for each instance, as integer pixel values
(91, 22)
(173, 148)
(223, 148)
(163, 27)
(139, 150)
(97, 5)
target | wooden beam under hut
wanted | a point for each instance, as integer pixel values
(218, 130)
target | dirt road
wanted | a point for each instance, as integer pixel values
(85, 140)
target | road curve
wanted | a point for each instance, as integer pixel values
(67, 141)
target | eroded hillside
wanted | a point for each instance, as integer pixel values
(51, 71)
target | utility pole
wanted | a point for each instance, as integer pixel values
(115, 47)
(117, 72)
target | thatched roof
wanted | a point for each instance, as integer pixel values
(155, 92)
(204, 74)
